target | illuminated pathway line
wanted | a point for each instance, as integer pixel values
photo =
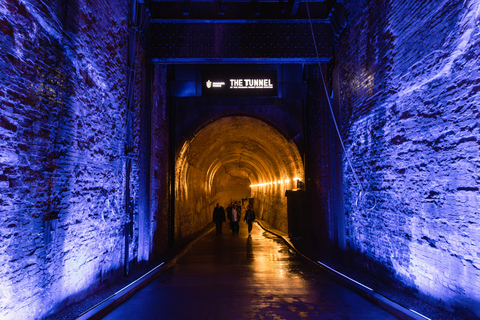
(241, 277)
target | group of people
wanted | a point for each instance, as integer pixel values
(234, 212)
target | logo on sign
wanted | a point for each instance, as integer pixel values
(218, 84)
(239, 83)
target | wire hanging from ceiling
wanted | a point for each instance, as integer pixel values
(362, 191)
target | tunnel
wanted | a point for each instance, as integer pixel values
(234, 159)
(350, 127)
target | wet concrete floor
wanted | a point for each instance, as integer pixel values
(245, 277)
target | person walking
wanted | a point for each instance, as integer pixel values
(249, 218)
(235, 219)
(239, 208)
(229, 215)
(218, 218)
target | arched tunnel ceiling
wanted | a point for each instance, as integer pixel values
(243, 148)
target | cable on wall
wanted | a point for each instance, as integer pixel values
(362, 191)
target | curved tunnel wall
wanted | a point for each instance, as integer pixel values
(231, 159)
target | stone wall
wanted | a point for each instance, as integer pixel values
(271, 206)
(62, 131)
(409, 92)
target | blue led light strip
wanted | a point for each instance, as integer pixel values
(341, 274)
(139, 279)
(421, 315)
(369, 289)
(118, 297)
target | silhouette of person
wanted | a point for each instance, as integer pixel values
(229, 214)
(218, 218)
(239, 208)
(249, 218)
(235, 219)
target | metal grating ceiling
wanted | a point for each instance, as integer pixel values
(239, 40)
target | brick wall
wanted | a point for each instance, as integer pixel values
(409, 92)
(160, 162)
(62, 129)
(318, 162)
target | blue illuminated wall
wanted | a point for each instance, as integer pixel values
(62, 141)
(409, 94)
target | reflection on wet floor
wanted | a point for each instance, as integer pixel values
(245, 277)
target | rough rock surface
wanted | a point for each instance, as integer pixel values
(409, 92)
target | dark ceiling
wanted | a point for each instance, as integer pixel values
(242, 31)
(240, 9)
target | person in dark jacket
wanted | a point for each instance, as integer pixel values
(239, 208)
(218, 217)
(249, 218)
(229, 215)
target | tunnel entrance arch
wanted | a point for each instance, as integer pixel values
(230, 159)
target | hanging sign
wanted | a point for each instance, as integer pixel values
(239, 83)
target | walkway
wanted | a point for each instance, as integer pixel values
(245, 277)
